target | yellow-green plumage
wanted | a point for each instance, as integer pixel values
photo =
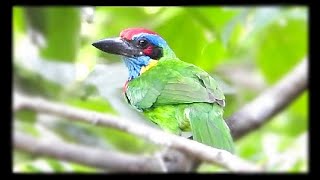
(179, 96)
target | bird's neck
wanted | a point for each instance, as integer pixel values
(137, 66)
(168, 54)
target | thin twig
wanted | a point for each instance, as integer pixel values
(192, 148)
(270, 102)
(103, 159)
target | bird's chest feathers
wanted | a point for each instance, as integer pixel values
(139, 90)
(142, 69)
(133, 94)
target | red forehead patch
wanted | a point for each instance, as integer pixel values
(130, 32)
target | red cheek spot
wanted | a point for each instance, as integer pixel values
(148, 50)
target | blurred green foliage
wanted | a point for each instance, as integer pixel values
(249, 48)
(290, 34)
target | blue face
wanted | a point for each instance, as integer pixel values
(151, 45)
(134, 65)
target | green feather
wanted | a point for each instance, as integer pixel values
(208, 126)
(179, 96)
(173, 82)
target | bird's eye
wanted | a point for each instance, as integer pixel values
(142, 43)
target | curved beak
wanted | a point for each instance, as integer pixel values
(117, 46)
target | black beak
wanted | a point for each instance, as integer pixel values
(118, 46)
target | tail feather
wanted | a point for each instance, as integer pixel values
(209, 127)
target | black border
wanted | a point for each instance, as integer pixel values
(7, 10)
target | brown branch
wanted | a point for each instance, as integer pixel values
(270, 102)
(192, 148)
(103, 159)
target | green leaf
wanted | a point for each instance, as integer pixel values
(27, 168)
(18, 27)
(21, 156)
(62, 26)
(92, 103)
(18, 20)
(26, 115)
(298, 115)
(294, 120)
(299, 166)
(300, 106)
(250, 146)
(282, 45)
(187, 41)
(214, 18)
(212, 55)
(83, 169)
(234, 36)
(55, 165)
(49, 165)
(209, 168)
(126, 142)
(26, 127)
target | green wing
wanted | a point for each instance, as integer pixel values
(173, 82)
(208, 126)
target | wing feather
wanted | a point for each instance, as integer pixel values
(173, 82)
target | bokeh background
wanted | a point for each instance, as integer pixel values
(247, 48)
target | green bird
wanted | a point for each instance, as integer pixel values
(175, 95)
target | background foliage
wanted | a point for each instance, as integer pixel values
(248, 48)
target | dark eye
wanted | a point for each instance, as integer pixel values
(142, 43)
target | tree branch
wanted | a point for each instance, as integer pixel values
(250, 117)
(269, 103)
(103, 159)
(189, 147)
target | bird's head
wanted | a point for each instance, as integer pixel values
(140, 48)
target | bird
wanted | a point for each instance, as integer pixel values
(173, 94)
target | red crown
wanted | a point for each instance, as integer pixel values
(130, 32)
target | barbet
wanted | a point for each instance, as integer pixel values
(175, 95)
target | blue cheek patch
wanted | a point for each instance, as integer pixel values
(134, 65)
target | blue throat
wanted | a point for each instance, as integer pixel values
(134, 65)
